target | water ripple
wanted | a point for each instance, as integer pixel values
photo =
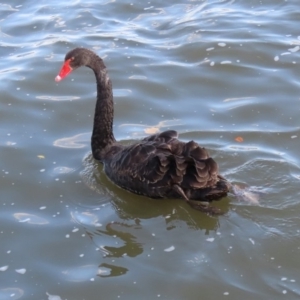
(222, 73)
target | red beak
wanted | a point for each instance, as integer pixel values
(65, 70)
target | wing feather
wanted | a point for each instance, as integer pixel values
(159, 162)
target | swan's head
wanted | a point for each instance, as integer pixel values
(74, 59)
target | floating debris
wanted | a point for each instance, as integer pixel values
(239, 139)
(210, 239)
(172, 248)
(4, 268)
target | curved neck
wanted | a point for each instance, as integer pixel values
(102, 136)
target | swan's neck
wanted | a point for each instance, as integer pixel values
(102, 136)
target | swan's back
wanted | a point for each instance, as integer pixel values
(161, 166)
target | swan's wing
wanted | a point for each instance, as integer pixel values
(160, 162)
(175, 162)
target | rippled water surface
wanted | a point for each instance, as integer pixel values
(223, 73)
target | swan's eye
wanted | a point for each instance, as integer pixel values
(72, 58)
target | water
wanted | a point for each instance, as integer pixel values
(224, 73)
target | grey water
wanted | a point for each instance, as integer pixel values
(224, 73)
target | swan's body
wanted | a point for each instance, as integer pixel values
(159, 166)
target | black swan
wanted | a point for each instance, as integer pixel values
(159, 166)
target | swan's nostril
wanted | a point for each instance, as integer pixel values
(57, 78)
